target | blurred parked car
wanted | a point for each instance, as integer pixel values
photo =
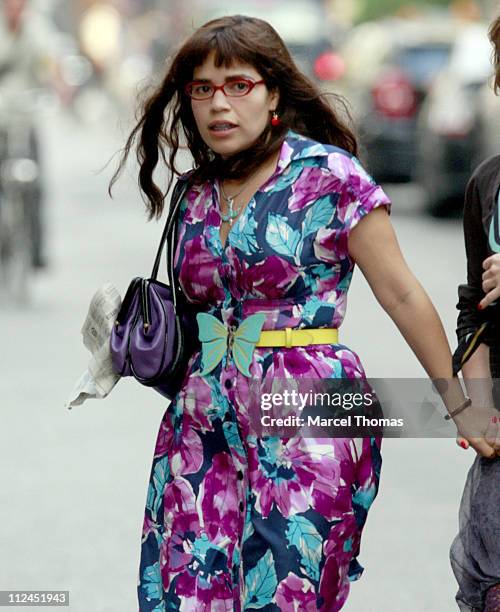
(303, 25)
(456, 124)
(391, 66)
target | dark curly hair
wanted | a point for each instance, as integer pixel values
(166, 116)
(494, 33)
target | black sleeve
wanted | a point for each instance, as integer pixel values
(470, 294)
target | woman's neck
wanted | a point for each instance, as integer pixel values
(267, 167)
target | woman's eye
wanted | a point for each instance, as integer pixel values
(201, 89)
(239, 86)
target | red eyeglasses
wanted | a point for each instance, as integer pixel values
(201, 90)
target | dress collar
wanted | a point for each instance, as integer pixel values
(296, 147)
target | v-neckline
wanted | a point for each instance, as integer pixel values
(236, 220)
(243, 213)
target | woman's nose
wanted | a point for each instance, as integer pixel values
(219, 100)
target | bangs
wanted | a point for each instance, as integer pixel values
(227, 43)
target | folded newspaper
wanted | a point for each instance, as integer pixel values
(99, 378)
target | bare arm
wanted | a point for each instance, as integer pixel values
(374, 247)
(478, 366)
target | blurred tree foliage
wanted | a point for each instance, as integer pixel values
(373, 9)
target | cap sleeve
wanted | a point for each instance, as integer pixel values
(360, 195)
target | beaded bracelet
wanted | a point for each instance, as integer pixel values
(460, 409)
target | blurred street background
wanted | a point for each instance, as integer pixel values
(417, 80)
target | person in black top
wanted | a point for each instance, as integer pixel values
(475, 552)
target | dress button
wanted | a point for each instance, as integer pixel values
(228, 384)
(242, 505)
(239, 473)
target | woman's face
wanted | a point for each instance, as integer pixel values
(231, 124)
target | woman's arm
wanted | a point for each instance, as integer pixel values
(374, 247)
(470, 294)
(478, 366)
(482, 288)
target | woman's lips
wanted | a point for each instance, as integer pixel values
(222, 128)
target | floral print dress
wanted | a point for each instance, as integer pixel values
(235, 522)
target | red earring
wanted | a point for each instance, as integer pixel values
(275, 119)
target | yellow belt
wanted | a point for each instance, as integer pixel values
(298, 337)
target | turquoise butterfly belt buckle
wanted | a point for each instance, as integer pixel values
(218, 340)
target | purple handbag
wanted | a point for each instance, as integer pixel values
(150, 339)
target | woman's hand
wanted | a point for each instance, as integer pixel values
(491, 280)
(479, 427)
(484, 428)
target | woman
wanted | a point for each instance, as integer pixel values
(277, 212)
(475, 552)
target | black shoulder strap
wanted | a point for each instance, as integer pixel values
(175, 201)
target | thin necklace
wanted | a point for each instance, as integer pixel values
(230, 202)
(231, 216)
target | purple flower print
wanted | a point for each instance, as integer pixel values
(219, 495)
(198, 565)
(197, 201)
(295, 594)
(294, 475)
(314, 182)
(269, 279)
(326, 245)
(196, 275)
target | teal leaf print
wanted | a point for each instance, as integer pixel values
(152, 582)
(337, 369)
(344, 284)
(261, 583)
(248, 531)
(312, 307)
(287, 177)
(302, 534)
(315, 149)
(281, 237)
(292, 173)
(323, 271)
(320, 272)
(365, 497)
(155, 492)
(242, 235)
(213, 238)
(233, 437)
(319, 215)
(236, 556)
(218, 400)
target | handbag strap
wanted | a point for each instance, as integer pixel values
(177, 195)
(169, 237)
